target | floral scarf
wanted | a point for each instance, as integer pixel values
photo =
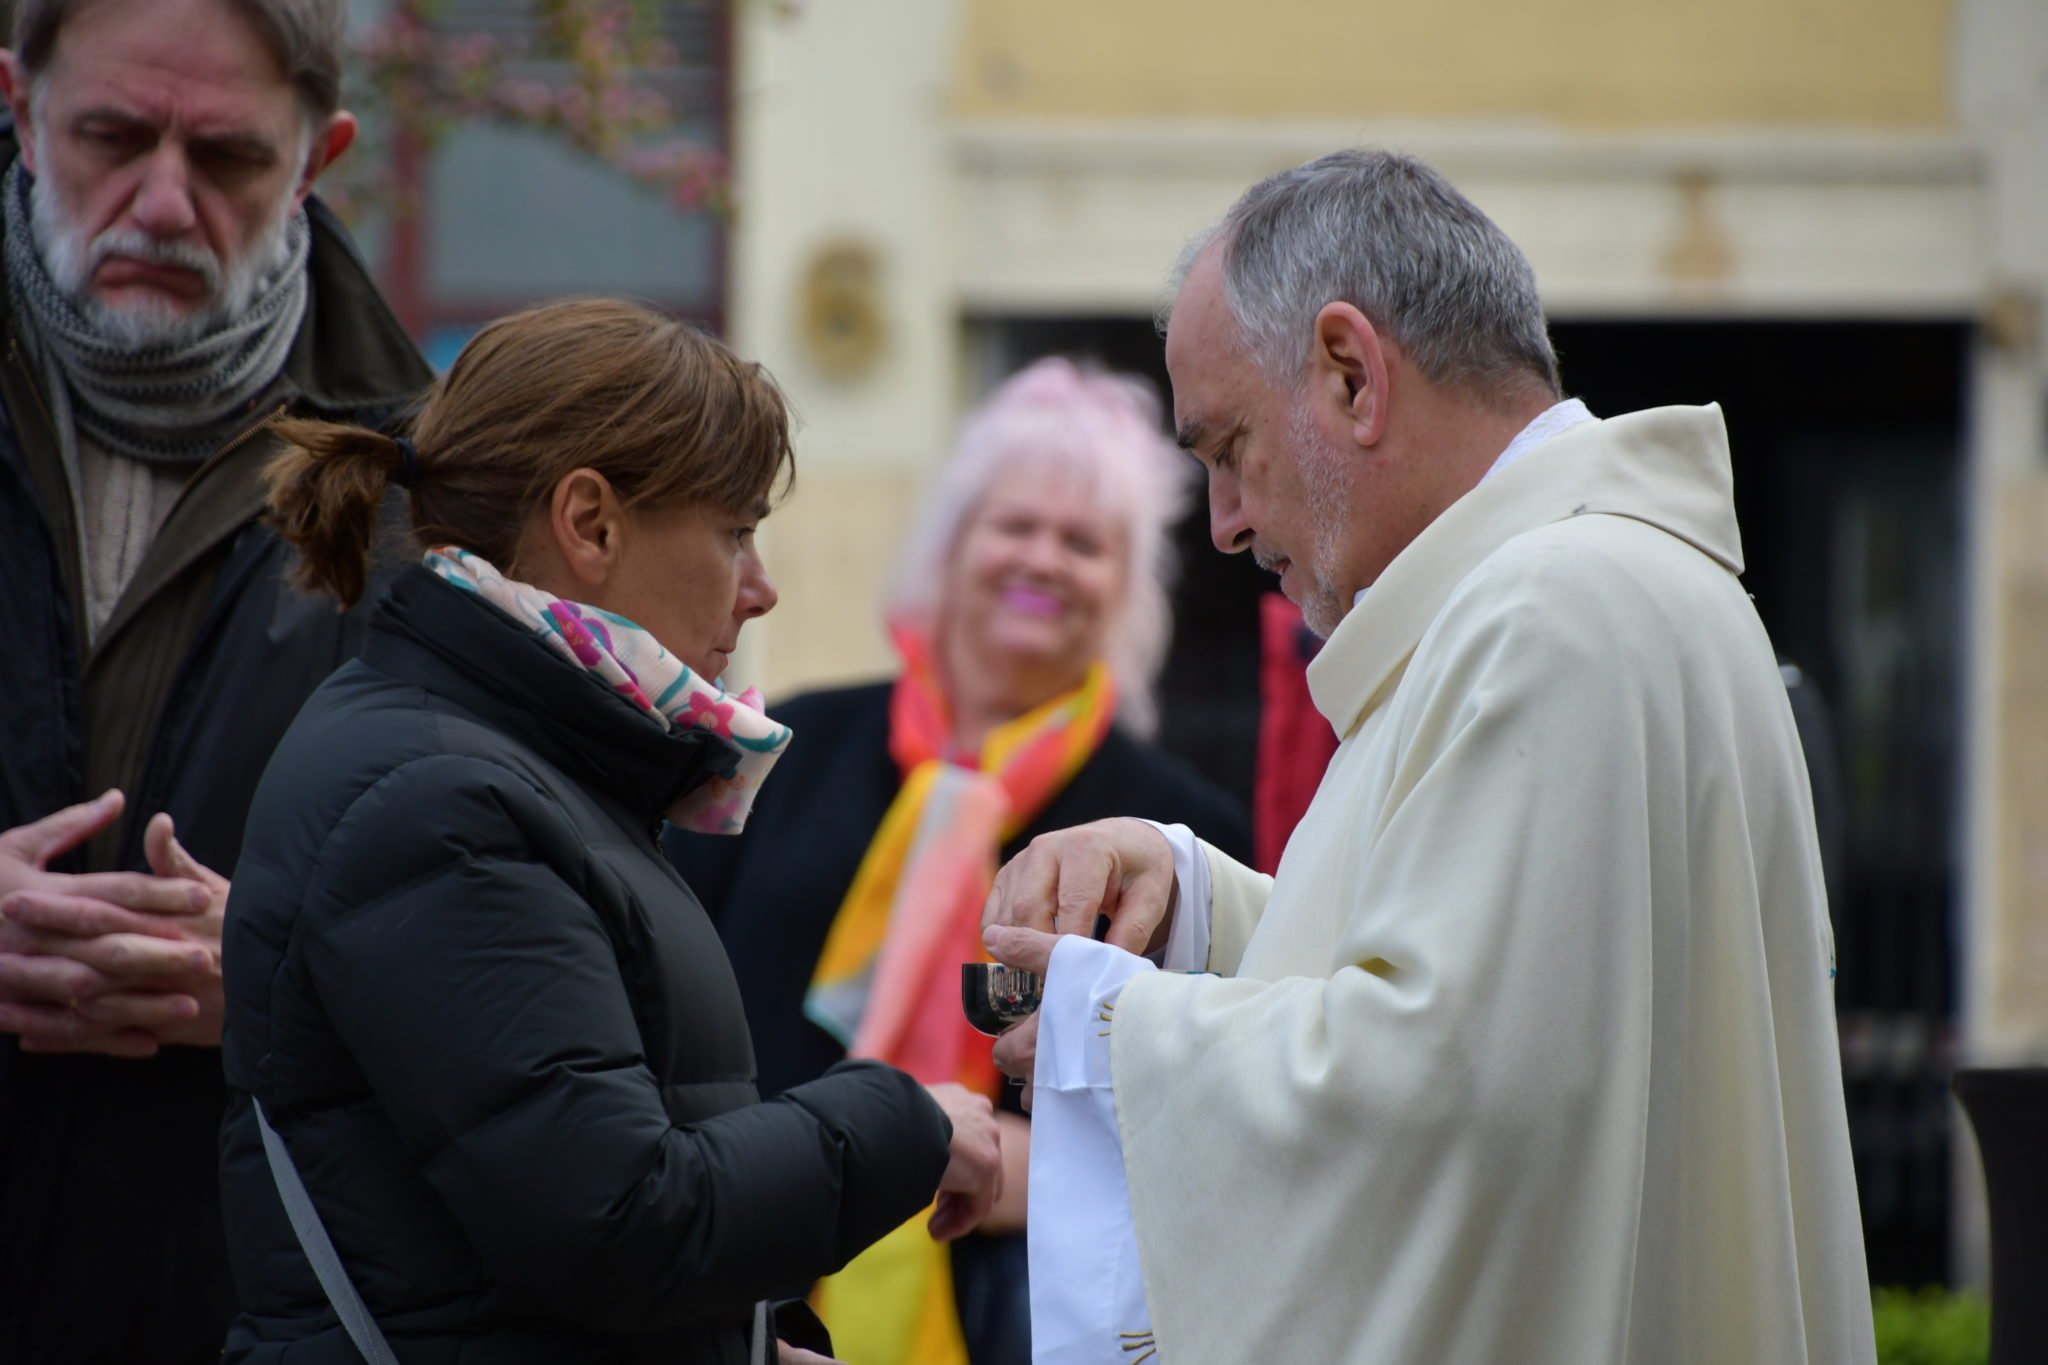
(633, 664)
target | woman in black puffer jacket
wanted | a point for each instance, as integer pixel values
(493, 1029)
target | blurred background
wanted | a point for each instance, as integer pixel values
(1829, 216)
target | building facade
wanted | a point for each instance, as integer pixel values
(1828, 216)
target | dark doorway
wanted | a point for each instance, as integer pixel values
(1847, 440)
(1848, 476)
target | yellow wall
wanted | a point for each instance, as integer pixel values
(2017, 1008)
(1582, 63)
(831, 548)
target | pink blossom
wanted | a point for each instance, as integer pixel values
(430, 78)
(707, 714)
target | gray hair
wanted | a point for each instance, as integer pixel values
(305, 35)
(1390, 236)
(1105, 430)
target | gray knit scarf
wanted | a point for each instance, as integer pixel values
(176, 404)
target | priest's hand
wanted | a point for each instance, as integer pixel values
(1016, 1052)
(1065, 881)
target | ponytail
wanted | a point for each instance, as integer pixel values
(325, 490)
(668, 415)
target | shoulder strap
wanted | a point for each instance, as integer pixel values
(313, 1240)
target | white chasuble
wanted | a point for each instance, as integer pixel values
(1528, 1052)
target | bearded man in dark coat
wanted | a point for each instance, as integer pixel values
(170, 288)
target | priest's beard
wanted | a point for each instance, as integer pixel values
(151, 322)
(1327, 486)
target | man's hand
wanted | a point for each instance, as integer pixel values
(1016, 1052)
(974, 1177)
(118, 963)
(168, 858)
(1064, 880)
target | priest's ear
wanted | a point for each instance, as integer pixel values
(1347, 371)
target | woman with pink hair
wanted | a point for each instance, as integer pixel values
(1031, 616)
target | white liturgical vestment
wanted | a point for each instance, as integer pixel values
(1528, 1052)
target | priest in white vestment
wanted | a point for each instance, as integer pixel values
(1528, 1052)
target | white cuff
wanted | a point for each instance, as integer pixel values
(1081, 985)
(1187, 932)
(1086, 1289)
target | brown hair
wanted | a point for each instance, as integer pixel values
(667, 414)
(305, 35)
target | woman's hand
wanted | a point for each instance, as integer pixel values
(786, 1354)
(1011, 1208)
(974, 1177)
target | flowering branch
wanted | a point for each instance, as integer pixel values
(594, 80)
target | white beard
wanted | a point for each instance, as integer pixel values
(153, 321)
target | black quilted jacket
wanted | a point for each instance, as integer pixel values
(500, 1037)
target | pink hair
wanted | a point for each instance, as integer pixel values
(1104, 431)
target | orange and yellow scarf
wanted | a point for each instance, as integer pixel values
(888, 982)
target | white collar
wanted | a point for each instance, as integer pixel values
(1554, 420)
